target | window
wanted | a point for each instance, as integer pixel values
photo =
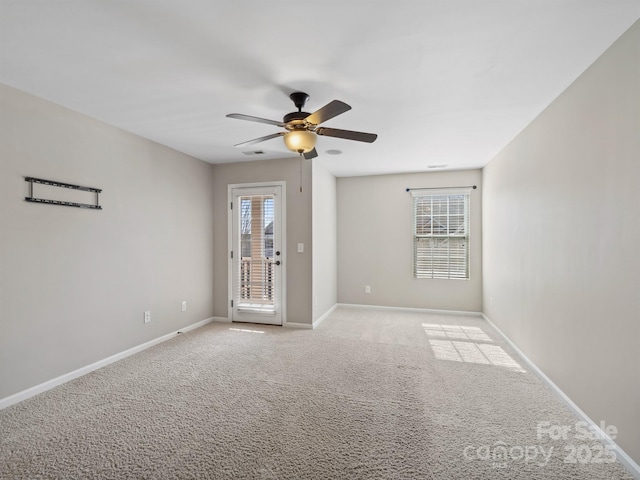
(257, 205)
(441, 234)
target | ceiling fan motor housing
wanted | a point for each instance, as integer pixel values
(293, 116)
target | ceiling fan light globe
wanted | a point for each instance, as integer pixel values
(300, 141)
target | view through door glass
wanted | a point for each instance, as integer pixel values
(256, 267)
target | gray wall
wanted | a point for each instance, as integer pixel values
(325, 240)
(298, 211)
(74, 283)
(562, 241)
(375, 243)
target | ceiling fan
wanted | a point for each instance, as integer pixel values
(302, 127)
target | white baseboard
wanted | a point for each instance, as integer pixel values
(221, 319)
(49, 384)
(410, 309)
(325, 315)
(193, 326)
(621, 455)
(306, 326)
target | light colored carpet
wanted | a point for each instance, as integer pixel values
(368, 395)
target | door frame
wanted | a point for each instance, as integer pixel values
(283, 243)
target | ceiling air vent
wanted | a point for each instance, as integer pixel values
(254, 152)
(437, 166)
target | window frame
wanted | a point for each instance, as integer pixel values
(431, 267)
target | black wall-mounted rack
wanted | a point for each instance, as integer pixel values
(31, 198)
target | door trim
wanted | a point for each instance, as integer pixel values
(283, 243)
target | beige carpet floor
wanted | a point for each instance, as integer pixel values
(370, 394)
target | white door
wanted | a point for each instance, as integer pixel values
(257, 254)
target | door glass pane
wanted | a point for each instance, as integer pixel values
(256, 275)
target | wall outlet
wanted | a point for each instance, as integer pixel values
(367, 289)
(183, 307)
(301, 248)
(147, 316)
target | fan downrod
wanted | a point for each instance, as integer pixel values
(299, 99)
(294, 119)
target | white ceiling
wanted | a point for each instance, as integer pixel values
(442, 82)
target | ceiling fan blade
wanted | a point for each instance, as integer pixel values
(347, 134)
(240, 116)
(309, 155)
(330, 110)
(261, 139)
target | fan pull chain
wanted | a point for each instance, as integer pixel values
(301, 173)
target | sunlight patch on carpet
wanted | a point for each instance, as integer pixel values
(470, 352)
(246, 330)
(467, 351)
(456, 331)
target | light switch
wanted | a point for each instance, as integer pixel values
(301, 248)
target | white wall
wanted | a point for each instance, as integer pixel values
(74, 283)
(562, 241)
(375, 243)
(298, 211)
(325, 240)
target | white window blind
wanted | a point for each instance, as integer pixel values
(441, 234)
